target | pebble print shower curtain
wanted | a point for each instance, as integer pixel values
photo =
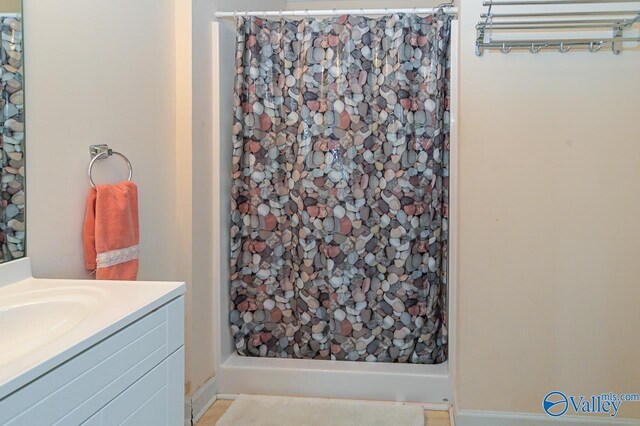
(12, 196)
(340, 188)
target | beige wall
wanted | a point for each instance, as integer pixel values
(95, 74)
(184, 178)
(11, 6)
(549, 233)
(201, 244)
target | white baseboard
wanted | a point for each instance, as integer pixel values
(492, 418)
(200, 402)
(452, 416)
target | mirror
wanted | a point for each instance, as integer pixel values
(12, 182)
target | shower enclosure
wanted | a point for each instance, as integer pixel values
(398, 375)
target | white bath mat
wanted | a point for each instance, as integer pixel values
(255, 410)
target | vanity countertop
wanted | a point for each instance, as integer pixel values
(44, 322)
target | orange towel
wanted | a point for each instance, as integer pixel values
(111, 231)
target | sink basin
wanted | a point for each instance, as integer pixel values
(46, 322)
(31, 319)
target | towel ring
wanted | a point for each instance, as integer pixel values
(105, 154)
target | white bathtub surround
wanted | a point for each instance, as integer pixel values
(84, 350)
(261, 410)
(429, 384)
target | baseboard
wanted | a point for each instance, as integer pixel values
(200, 402)
(492, 418)
(452, 416)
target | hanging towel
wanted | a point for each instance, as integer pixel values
(111, 231)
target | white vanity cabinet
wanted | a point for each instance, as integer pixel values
(134, 376)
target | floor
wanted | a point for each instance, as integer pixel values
(210, 418)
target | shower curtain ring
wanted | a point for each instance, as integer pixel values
(505, 49)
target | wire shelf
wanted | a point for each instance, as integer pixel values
(536, 25)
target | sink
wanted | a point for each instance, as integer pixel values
(31, 319)
(47, 322)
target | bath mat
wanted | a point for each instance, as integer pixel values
(255, 410)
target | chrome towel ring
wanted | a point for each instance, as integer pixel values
(100, 152)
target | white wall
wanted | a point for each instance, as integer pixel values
(99, 72)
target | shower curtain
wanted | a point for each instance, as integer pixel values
(340, 188)
(12, 196)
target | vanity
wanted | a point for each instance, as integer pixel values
(86, 352)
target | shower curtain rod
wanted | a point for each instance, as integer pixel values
(337, 12)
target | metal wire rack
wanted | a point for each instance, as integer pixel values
(545, 24)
